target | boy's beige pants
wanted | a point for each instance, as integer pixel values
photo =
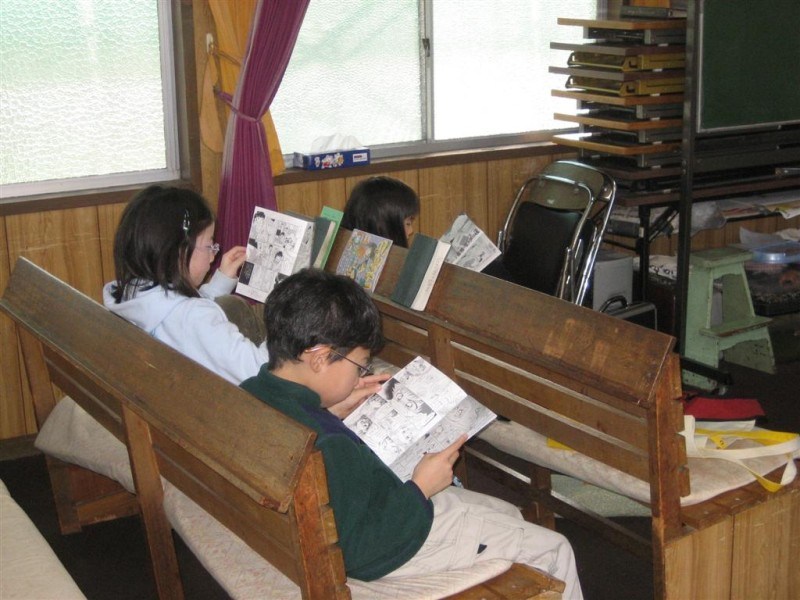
(464, 521)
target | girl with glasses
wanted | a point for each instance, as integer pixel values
(163, 251)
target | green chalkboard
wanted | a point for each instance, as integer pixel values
(749, 59)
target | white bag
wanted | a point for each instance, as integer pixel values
(713, 440)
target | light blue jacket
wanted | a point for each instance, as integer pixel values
(195, 327)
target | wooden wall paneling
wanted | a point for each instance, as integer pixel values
(333, 193)
(64, 242)
(108, 217)
(308, 198)
(477, 196)
(443, 196)
(409, 177)
(14, 420)
(5, 264)
(708, 238)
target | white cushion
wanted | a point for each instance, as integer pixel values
(708, 477)
(28, 566)
(72, 435)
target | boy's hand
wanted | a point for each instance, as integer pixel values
(231, 261)
(365, 387)
(435, 471)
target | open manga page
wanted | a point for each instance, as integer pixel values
(278, 246)
(470, 247)
(418, 410)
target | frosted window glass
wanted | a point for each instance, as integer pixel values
(355, 70)
(80, 89)
(491, 64)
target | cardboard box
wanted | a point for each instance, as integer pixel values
(331, 160)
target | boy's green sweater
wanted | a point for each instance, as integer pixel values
(382, 522)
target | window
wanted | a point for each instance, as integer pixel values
(412, 74)
(86, 95)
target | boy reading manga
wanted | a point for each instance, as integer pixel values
(322, 330)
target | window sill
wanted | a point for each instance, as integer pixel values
(96, 197)
(423, 161)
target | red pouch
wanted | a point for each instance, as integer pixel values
(706, 408)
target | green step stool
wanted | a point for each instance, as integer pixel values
(742, 337)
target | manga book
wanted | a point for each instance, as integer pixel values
(418, 410)
(363, 258)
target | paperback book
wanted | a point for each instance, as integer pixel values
(419, 272)
(470, 247)
(326, 235)
(279, 245)
(418, 410)
(363, 258)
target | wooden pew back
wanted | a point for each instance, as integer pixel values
(611, 390)
(252, 468)
(600, 385)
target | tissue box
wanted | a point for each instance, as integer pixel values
(333, 159)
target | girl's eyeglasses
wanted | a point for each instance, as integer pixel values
(213, 248)
(363, 370)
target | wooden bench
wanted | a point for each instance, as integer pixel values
(609, 390)
(253, 469)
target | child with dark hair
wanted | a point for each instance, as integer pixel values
(322, 330)
(389, 208)
(163, 250)
(383, 206)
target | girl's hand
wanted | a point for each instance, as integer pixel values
(365, 387)
(232, 260)
(434, 472)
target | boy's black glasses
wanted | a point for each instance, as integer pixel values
(363, 370)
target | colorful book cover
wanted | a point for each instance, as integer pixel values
(363, 258)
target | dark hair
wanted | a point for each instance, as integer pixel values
(380, 205)
(155, 240)
(312, 308)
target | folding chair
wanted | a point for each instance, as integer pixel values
(554, 229)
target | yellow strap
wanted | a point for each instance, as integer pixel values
(763, 436)
(557, 445)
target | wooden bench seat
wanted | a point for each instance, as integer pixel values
(609, 390)
(189, 432)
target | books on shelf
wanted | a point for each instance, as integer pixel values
(653, 12)
(279, 245)
(419, 272)
(418, 410)
(470, 247)
(325, 235)
(363, 258)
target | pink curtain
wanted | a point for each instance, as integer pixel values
(246, 178)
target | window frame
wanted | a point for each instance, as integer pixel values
(401, 150)
(182, 127)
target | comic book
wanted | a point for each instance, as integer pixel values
(363, 258)
(418, 410)
(279, 245)
(470, 247)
